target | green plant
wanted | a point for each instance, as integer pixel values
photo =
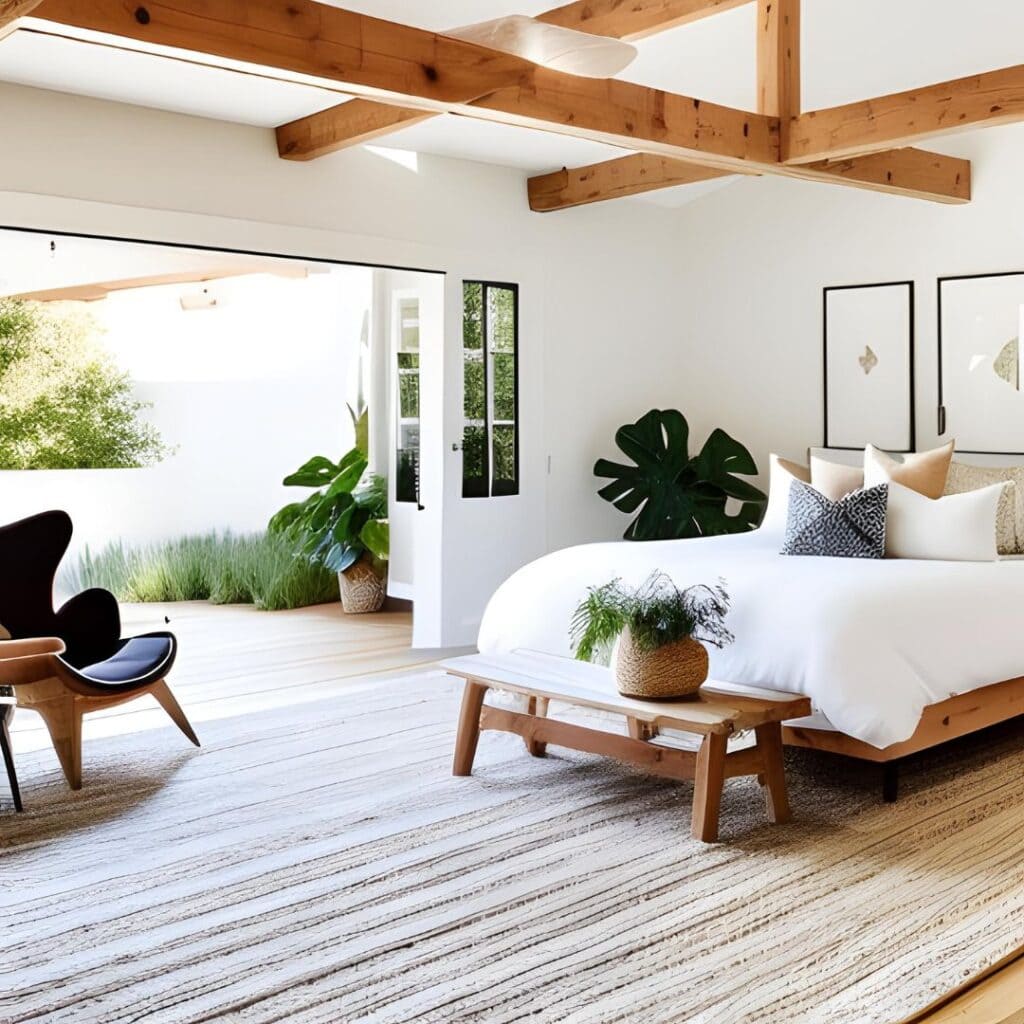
(259, 569)
(343, 519)
(656, 613)
(64, 404)
(675, 495)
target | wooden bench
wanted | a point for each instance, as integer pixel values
(715, 714)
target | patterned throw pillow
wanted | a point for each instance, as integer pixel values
(853, 527)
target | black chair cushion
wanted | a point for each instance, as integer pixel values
(138, 662)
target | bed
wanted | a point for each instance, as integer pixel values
(895, 654)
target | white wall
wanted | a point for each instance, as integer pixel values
(599, 279)
(756, 256)
(243, 394)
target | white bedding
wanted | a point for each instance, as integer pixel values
(870, 642)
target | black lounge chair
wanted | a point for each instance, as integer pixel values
(69, 662)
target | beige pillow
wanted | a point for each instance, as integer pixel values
(1010, 518)
(924, 472)
(833, 479)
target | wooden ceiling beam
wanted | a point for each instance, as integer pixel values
(348, 124)
(992, 98)
(612, 179)
(778, 58)
(360, 121)
(905, 172)
(633, 19)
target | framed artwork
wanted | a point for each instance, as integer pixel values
(868, 358)
(980, 399)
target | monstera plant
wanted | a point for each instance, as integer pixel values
(676, 495)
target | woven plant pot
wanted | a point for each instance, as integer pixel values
(362, 590)
(668, 673)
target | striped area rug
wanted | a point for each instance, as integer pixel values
(321, 865)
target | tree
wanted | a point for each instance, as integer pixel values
(64, 404)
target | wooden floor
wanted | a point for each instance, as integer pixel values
(233, 660)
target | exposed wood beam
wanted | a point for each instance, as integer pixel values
(612, 179)
(421, 69)
(778, 57)
(633, 19)
(348, 124)
(993, 98)
(905, 172)
(362, 121)
(12, 9)
(914, 173)
(369, 56)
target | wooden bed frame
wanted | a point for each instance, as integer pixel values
(965, 713)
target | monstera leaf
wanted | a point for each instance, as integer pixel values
(675, 495)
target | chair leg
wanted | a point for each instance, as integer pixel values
(167, 701)
(63, 721)
(5, 745)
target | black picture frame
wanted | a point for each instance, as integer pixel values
(911, 362)
(940, 410)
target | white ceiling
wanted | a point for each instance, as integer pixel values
(851, 50)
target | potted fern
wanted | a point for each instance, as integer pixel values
(342, 526)
(660, 632)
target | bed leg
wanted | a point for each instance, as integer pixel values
(890, 781)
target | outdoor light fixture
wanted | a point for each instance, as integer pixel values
(561, 49)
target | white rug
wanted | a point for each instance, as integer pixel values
(322, 865)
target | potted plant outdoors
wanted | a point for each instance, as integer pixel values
(342, 525)
(660, 631)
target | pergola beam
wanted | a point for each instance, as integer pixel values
(633, 19)
(992, 98)
(612, 179)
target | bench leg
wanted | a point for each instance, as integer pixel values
(469, 728)
(769, 743)
(537, 706)
(707, 787)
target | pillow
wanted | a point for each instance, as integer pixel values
(834, 479)
(853, 527)
(1010, 517)
(781, 473)
(924, 472)
(958, 528)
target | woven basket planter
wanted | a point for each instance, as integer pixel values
(668, 673)
(362, 590)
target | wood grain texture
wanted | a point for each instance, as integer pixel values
(11, 10)
(348, 124)
(633, 19)
(900, 119)
(612, 179)
(947, 720)
(778, 59)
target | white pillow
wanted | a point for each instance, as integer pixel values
(781, 473)
(958, 528)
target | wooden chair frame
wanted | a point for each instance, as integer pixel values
(44, 684)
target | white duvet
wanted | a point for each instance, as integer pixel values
(870, 642)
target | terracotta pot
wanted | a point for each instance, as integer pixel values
(362, 590)
(668, 673)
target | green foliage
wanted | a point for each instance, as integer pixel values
(63, 402)
(656, 613)
(676, 495)
(259, 569)
(332, 527)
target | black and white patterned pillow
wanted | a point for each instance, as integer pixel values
(853, 527)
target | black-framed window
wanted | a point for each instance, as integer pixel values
(407, 377)
(490, 377)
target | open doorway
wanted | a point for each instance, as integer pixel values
(162, 394)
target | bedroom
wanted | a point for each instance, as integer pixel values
(706, 297)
